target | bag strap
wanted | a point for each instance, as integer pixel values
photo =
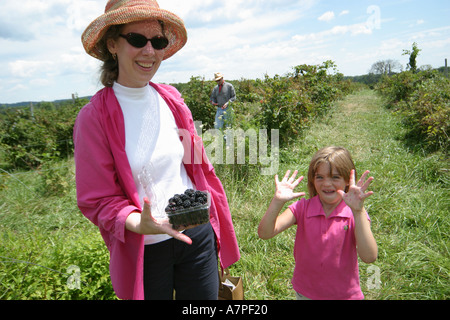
(223, 273)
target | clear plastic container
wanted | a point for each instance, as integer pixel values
(190, 216)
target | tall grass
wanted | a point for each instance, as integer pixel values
(42, 236)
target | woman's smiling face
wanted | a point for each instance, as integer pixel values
(137, 66)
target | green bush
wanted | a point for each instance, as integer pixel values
(284, 107)
(25, 143)
(290, 102)
(53, 267)
(55, 179)
(30, 138)
(196, 94)
(423, 101)
(428, 112)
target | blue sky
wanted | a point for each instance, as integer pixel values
(42, 59)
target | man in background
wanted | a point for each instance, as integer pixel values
(222, 96)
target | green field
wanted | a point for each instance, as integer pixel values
(42, 237)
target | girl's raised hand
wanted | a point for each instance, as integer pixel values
(356, 193)
(284, 189)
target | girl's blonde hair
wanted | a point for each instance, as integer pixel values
(336, 157)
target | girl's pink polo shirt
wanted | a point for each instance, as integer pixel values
(326, 261)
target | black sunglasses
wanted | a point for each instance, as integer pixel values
(139, 41)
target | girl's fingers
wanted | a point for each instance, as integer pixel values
(352, 178)
(366, 195)
(296, 182)
(294, 175)
(363, 177)
(298, 194)
(367, 183)
(286, 176)
(364, 185)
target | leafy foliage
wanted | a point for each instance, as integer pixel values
(290, 102)
(196, 94)
(284, 102)
(29, 138)
(423, 100)
(413, 53)
(42, 270)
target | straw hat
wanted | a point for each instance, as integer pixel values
(126, 11)
(218, 76)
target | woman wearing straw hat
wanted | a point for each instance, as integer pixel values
(132, 131)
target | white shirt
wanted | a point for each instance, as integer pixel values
(153, 148)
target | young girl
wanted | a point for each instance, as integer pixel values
(331, 233)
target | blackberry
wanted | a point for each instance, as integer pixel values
(186, 204)
(188, 208)
(199, 193)
(176, 200)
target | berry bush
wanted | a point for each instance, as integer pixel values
(423, 101)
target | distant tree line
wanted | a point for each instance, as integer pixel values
(390, 67)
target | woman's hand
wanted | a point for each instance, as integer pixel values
(356, 193)
(284, 189)
(144, 223)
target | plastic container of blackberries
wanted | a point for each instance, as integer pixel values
(195, 215)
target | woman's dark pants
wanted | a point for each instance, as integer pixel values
(190, 270)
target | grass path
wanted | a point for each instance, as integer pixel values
(409, 209)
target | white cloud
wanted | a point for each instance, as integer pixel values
(327, 16)
(80, 13)
(354, 29)
(27, 69)
(41, 55)
(40, 82)
(236, 47)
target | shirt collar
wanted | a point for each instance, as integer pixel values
(342, 210)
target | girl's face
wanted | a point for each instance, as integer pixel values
(137, 66)
(327, 184)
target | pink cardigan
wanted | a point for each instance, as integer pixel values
(106, 192)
